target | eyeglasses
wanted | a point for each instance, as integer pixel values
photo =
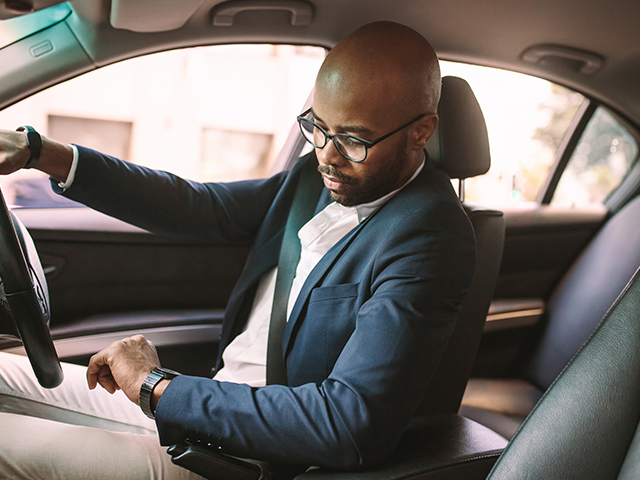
(350, 147)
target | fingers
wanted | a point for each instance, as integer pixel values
(99, 372)
(106, 380)
(14, 151)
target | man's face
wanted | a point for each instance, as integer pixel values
(352, 183)
(364, 183)
(371, 83)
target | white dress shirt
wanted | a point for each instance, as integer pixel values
(245, 358)
(72, 171)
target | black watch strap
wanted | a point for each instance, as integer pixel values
(146, 389)
(34, 142)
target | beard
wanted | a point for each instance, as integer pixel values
(374, 185)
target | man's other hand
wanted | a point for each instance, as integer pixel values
(123, 365)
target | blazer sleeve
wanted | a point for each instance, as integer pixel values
(419, 277)
(166, 204)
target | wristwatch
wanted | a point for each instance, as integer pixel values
(34, 142)
(146, 390)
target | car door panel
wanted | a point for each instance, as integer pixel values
(108, 280)
(541, 243)
(99, 265)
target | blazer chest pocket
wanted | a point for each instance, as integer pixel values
(333, 292)
(332, 313)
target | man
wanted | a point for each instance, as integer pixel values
(383, 271)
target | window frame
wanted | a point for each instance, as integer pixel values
(628, 187)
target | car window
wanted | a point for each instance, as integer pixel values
(222, 113)
(602, 158)
(527, 119)
(217, 113)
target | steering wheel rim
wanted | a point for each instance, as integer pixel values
(27, 295)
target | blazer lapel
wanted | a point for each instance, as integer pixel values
(266, 256)
(316, 275)
(261, 261)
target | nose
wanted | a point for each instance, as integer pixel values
(329, 155)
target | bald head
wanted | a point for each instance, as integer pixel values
(383, 66)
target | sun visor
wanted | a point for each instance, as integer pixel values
(152, 15)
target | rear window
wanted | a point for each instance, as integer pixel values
(527, 118)
(604, 155)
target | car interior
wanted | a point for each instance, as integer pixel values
(517, 383)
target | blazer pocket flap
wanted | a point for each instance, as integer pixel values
(333, 292)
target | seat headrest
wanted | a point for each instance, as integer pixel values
(460, 145)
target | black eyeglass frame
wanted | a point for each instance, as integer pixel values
(328, 136)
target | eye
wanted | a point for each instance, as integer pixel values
(350, 142)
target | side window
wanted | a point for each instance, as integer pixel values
(219, 113)
(602, 158)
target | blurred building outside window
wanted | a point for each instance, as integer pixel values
(219, 113)
(235, 155)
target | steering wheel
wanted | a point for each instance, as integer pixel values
(24, 298)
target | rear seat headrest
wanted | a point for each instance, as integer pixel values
(460, 145)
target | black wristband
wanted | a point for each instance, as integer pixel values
(146, 389)
(34, 142)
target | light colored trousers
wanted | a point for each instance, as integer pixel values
(72, 433)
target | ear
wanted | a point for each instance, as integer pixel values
(423, 130)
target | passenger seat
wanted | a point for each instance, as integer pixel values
(572, 313)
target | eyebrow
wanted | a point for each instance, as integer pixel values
(346, 128)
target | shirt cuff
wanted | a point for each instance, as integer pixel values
(72, 171)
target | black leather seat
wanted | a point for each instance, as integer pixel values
(587, 424)
(576, 306)
(461, 148)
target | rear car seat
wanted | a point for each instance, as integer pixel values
(573, 311)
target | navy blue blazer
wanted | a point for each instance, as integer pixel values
(366, 332)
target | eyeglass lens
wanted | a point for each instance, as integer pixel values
(347, 145)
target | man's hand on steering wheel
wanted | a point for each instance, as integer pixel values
(55, 158)
(25, 293)
(14, 151)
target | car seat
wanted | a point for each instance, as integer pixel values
(587, 424)
(574, 309)
(460, 147)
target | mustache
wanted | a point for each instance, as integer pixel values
(333, 172)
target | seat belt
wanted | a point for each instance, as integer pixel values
(207, 461)
(302, 209)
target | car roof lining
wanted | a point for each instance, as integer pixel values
(492, 33)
